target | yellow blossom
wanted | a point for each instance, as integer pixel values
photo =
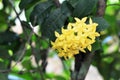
(76, 38)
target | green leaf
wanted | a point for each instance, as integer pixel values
(26, 63)
(28, 12)
(96, 46)
(8, 37)
(37, 54)
(27, 3)
(26, 24)
(102, 23)
(84, 8)
(55, 21)
(54, 76)
(59, 78)
(108, 59)
(112, 22)
(3, 22)
(44, 44)
(74, 2)
(3, 66)
(24, 3)
(66, 8)
(49, 75)
(4, 53)
(40, 12)
(3, 76)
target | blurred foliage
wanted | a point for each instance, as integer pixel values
(107, 60)
(25, 55)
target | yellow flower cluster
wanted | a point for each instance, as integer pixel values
(76, 38)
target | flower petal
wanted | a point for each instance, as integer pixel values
(57, 34)
(76, 38)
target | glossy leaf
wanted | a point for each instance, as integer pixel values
(40, 12)
(96, 46)
(55, 21)
(28, 5)
(84, 8)
(23, 3)
(73, 2)
(102, 23)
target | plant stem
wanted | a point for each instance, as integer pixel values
(82, 64)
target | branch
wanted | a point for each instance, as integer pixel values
(17, 14)
(57, 3)
(5, 71)
(101, 8)
(12, 5)
(22, 52)
(82, 64)
(85, 66)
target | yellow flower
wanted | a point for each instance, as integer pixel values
(76, 38)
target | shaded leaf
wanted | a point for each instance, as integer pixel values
(27, 3)
(8, 37)
(12, 22)
(44, 44)
(4, 53)
(96, 46)
(84, 8)
(24, 3)
(5, 3)
(102, 23)
(55, 21)
(3, 76)
(40, 54)
(20, 51)
(36, 53)
(40, 12)
(66, 8)
(3, 22)
(74, 2)
(3, 66)
(26, 24)
(28, 12)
